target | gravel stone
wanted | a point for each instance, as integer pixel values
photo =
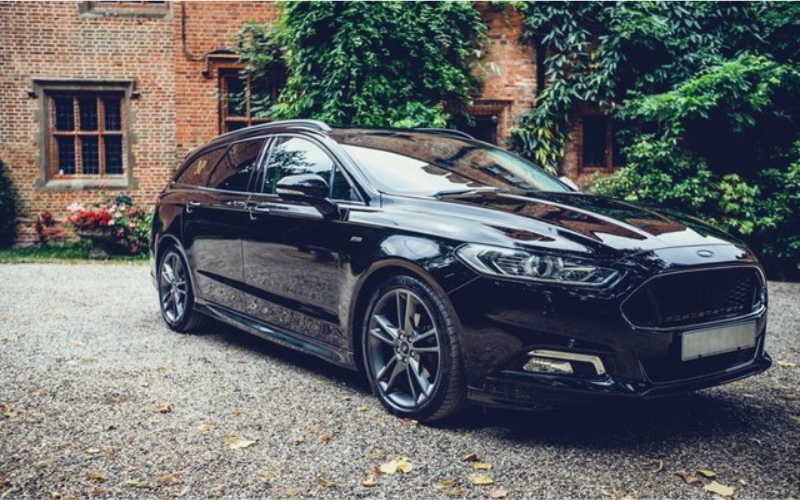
(86, 363)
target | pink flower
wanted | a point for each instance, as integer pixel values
(111, 222)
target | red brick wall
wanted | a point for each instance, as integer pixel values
(209, 26)
(509, 66)
(43, 40)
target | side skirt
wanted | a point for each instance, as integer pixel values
(323, 351)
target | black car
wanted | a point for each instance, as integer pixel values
(450, 270)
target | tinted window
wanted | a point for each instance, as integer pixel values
(234, 171)
(197, 172)
(404, 162)
(341, 189)
(294, 156)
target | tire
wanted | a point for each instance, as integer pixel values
(411, 351)
(176, 295)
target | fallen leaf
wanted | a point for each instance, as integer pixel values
(370, 481)
(291, 491)
(326, 483)
(472, 457)
(445, 484)
(64, 446)
(132, 483)
(93, 451)
(498, 493)
(688, 477)
(719, 489)
(163, 408)
(408, 421)
(742, 482)
(205, 427)
(400, 464)
(238, 442)
(217, 491)
(786, 364)
(300, 440)
(325, 438)
(469, 435)
(171, 478)
(710, 474)
(361, 408)
(378, 453)
(44, 463)
(482, 466)
(236, 412)
(98, 493)
(268, 475)
(97, 477)
(481, 479)
(453, 492)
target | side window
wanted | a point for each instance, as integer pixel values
(341, 189)
(234, 171)
(197, 172)
(294, 156)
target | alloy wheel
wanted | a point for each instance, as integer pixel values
(403, 349)
(173, 287)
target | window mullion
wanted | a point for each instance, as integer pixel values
(101, 146)
(76, 112)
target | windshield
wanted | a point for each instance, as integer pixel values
(425, 164)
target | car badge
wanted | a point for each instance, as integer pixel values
(705, 253)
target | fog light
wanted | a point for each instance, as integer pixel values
(544, 365)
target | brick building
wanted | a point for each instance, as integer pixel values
(112, 95)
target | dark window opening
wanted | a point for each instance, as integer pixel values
(86, 134)
(541, 67)
(596, 141)
(483, 128)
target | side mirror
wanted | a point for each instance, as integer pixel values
(568, 182)
(310, 189)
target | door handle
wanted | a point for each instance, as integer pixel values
(191, 204)
(259, 208)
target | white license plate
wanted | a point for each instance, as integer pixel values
(712, 341)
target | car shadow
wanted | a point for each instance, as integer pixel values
(654, 426)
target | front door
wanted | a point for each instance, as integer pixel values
(294, 259)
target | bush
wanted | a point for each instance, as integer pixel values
(8, 209)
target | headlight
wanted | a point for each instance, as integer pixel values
(511, 263)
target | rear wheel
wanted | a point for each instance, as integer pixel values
(411, 351)
(176, 295)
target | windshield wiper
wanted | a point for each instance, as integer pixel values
(482, 189)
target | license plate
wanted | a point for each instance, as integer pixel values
(713, 341)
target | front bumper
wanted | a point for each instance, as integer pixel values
(503, 320)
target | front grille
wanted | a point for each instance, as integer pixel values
(691, 298)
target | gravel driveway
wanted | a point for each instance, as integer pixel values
(99, 399)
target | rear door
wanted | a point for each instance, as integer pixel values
(213, 225)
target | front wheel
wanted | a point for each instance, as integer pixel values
(176, 295)
(411, 351)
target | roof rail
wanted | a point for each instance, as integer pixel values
(447, 131)
(314, 124)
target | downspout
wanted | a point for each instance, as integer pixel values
(186, 52)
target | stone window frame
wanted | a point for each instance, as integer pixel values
(143, 9)
(230, 71)
(44, 90)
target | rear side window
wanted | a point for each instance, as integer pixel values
(198, 171)
(234, 170)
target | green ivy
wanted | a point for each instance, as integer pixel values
(402, 64)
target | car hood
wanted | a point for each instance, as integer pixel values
(575, 221)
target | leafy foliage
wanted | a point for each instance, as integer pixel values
(8, 209)
(370, 63)
(703, 96)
